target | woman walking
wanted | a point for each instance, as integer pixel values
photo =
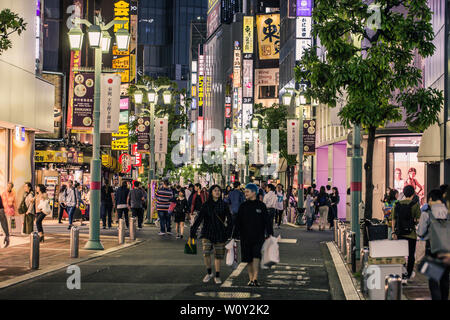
(334, 199)
(62, 205)
(323, 201)
(217, 226)
(271, 201)
(27, 208)
(42, 209)
(281, 198)
(180, 212)
(309, 208)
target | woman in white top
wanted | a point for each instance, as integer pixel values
(309, 208)
(270, 200)
(281, 198)
(42, 209)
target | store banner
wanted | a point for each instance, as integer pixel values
(309, 137)
(237, 65)
(161, 135)
(258, 148)
(143, 135)
(303, 27)
(247, 75)
(109, 103)
(301, 46)
(125, 162)
(120, 139)
(268, 26)
(83, 101)
(304, 8)
(247, 46)
(247, 114)
(293, 137)
(213, 19)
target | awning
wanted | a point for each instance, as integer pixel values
(430, 145)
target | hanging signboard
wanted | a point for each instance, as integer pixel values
(83, 101)
(161, 135)
(247, 75)
(268, 26)
(143, 135)
(125, 162)
(109, 103)
(309, 137)
(237, 68)
(292, 136)
(304, 8)
(213, 19)
(247, 45)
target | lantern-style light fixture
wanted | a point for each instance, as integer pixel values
(152, 96)
(287, 99)
(138, 97)
(255, 122)
(167, 96)
(122, 39)
(106, 41)
(95, 35)
(76, 38)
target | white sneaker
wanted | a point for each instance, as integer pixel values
(217, 280)
(207, 278)
(161, 234)
(413, 274)
(169, 233)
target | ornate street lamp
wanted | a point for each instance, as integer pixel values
(76, 38)
(94, 34)
(122, 39)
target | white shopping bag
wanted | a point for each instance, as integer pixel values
(270, 252)
(231, 252)
(285, 219)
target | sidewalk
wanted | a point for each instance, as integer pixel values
(54, 252)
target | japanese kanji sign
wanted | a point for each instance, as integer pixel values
(247, 45)
(143, 135)
(83, 101)
(109, 103)
(161, 135)
(292, 136)
(268, 36)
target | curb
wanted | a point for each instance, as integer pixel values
(38, 273)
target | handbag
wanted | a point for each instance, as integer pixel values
(13, 223)
(190, 247)
(23, 207)
(172, 206)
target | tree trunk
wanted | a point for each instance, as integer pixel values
(368, 167)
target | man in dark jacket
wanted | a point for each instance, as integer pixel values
(252, 227)
(121, 196)
(136, 199)
(4, 223)
(235, 199)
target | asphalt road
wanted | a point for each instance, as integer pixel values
(158, 269)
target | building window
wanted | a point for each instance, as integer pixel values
(268, 92)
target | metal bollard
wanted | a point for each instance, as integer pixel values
(336, 227)
(132, 228)
(121, 235)
(364, 257)
(74, 242)
(343, 240)
(34, 251)
(393, 287)
(353, 251)
(348, 247)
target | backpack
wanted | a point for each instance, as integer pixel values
(404, 222)
(323, 200)
(439, 234)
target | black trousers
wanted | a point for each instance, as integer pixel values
(439, 289)
(411, 255)
(61, 213)
(123, 212)
(278, 217)
(106, 212)
(139, 213)
(39, 218)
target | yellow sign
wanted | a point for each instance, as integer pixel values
(123, 131)
(132, 67)
(105, 160)
(268, 36)
(200, 91)
(82, 131)
(121, 63)
(247, 45)
(211, 5)
(53, 156)
(119, 144)
(117, 52)
(194, 91)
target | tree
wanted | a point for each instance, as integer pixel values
(374, 67)
(275, 118)
(10, 23)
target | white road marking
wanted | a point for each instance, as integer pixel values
(287, 241)
(287, 277)
(346, 282)
(286, 283)
(227, 283)
(288, 272)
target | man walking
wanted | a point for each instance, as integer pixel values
(235, 199)
(252, 227)
(71, 201)
(121, 197)
(164, 196)
(405, 217)
(136, 199)
(106, 204)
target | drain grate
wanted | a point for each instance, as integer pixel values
(228, 295)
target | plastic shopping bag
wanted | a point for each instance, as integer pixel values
(231, 252)
(285, 218)
(270, 252)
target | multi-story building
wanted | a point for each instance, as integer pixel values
(164, 33)
(27, 99)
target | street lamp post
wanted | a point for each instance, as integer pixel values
(152, 97)
(99, 40)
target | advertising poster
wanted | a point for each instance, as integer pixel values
(247, 75)
(292, 136)
(268, 26)
(109, 103)
(309, 137)
(213, 20)
(143, 135)
(120, 139)
(304, 8)
(83, 101)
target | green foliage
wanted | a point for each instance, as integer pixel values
(275, 118)
(10, 22)
(376, 70)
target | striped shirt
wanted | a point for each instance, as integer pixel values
(163, 199)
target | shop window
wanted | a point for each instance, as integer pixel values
(268, 92)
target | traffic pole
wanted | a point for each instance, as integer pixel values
(356, 185)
